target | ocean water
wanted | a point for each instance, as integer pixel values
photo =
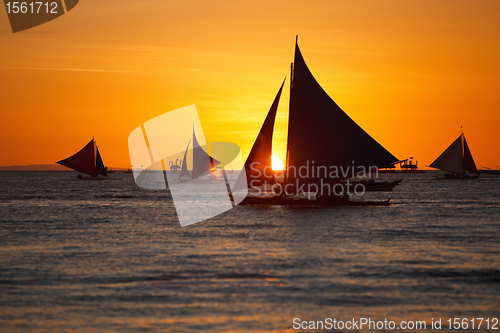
(107, 256)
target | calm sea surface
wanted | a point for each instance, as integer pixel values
(107, 256)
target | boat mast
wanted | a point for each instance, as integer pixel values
(287, 153)
(95, 153)
(287, 157)
(463, 151)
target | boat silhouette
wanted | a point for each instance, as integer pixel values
(203, 163)
(457, 161)
(88, 161)
(320, 133)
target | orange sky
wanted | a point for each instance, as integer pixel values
(409, 72)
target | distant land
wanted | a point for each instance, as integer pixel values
(40, 167)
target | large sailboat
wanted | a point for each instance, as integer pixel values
(457, 161)
(321, 137)
(203, 163)
(88, 161)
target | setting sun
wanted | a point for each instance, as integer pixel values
(277, 163)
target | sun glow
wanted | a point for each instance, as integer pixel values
(277, 163)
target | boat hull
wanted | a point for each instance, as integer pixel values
(80, 177)
(286, 201)
(196, 181)
(457, 176)
(373, 186)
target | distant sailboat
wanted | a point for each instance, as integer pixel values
(88, 161)
(202, 163)
(457, 160)
(320, 133)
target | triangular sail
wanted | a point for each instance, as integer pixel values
(451, 159)
(83, 161)
(99, 165)
(202, 162)
(320, 134)
(258, 167)
(469, 164)
(184, 168)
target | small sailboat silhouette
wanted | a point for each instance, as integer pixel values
(457, 160)
(202, 163)
(88, 161)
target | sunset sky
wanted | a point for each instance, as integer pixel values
(408, 72)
